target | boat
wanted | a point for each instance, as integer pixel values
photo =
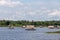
(30, 27)
(51, 27)
(23, 26)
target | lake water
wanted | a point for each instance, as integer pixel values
(21, 34)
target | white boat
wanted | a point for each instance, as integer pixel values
(30, 27)
(51, 27)
(23, 26)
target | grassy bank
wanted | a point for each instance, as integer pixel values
(55, 32)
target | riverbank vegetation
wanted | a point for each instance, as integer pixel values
(24, 22)
(54, 32)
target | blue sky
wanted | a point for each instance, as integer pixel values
(38, 10)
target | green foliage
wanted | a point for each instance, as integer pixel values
(24, 22)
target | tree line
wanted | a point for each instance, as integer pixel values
(21, 23)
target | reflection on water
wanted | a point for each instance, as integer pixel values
(22, 34)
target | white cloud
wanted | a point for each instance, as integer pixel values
(35, 10)
(10, 3)
(55, 13)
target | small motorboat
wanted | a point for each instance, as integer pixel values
(51, 27)
(30, 27)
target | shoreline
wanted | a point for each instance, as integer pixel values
(55, 32)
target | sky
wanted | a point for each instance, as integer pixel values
(38, 10)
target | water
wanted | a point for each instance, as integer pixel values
(22, 34)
